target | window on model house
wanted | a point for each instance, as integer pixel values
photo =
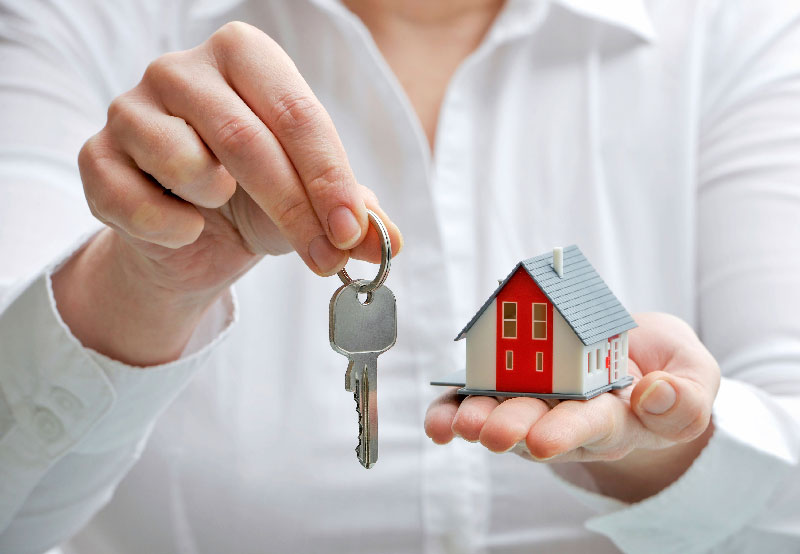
(509, 360)
(539, 361)
(539, 321)
(509, 320)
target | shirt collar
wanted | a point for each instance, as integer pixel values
(631, 15)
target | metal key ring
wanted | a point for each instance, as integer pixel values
(386, 258)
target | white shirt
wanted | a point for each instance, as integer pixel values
(660, 136)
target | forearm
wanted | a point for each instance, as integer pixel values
(740, 490)
(111, 306)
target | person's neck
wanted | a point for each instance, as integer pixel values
(424, 41)
(426, 12)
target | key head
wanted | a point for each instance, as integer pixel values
(357, 328)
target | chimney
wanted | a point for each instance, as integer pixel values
(558, 260)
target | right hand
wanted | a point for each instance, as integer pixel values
(252, 160)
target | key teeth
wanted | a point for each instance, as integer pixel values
(362, 459)
(360, 426)
(359, 386)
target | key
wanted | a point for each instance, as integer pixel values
(363, 331)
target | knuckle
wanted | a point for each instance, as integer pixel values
(231, 34)
(92, 156)
(294, 112)
(87, 156)
(119, 110)
(235, 36)
(125, 116)
(289, 211)
(332, 180)
(167, 71)
(238, 133)
(157, 69)
(232, 39)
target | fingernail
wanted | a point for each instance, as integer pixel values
(325, 255)
(658, 398)
(543, 459)
(344, 227)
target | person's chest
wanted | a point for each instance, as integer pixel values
(551, 138)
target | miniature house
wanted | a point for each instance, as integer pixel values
(551, 329)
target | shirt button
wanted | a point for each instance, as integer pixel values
(65, 400)
(47, 424)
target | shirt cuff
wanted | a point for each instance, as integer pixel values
(57, 396)
(728, 485)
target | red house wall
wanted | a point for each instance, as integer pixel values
(524, 377)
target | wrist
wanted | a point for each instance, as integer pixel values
(113, 304)
(644, 473)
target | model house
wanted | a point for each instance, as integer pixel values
(551, 329)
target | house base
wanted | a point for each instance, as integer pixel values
(459, 379)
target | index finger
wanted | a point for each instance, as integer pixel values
(264, 76)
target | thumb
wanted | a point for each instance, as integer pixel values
(673, 407)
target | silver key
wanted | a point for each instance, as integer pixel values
(363, 331)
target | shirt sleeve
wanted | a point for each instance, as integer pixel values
(72, 421)
(740, 494)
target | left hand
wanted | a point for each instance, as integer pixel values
(675, 383)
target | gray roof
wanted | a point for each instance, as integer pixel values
(580, 296)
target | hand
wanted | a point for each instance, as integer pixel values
(220, 155)
(648, 433)
(233, 110)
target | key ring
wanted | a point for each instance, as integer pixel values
(386, 259)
